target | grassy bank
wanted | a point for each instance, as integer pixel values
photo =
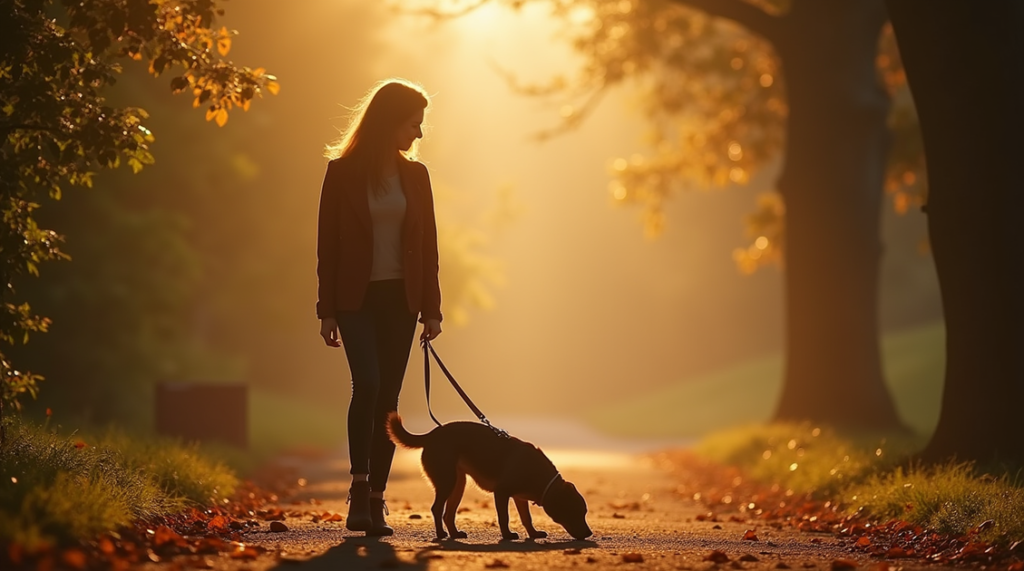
(870, 474)
(58, 488)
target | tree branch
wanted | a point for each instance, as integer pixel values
(437, 14)
(747, 15)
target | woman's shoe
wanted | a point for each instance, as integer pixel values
(379, 527)
(358, 507)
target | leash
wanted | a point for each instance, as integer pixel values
(428, 350)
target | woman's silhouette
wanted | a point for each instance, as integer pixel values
(377, 271)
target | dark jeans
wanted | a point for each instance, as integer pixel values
(377, 340)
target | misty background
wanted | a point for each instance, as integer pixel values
(580, 316)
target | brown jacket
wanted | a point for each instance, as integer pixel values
(344, 246)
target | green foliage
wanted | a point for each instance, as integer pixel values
(57, 130)
(59, 487)
(951, 498)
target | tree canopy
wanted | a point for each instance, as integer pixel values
(730, 87)
(58, 130)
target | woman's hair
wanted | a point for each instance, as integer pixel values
(374, 123)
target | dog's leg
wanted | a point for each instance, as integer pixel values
(523, 506)
(501, 505)
(437, 509)
(452, 506)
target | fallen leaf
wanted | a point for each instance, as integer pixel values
(716, 526)
(782, 565)
(896, 553)
(106, 546)
(247, 552)
(863, 541)
(165, 535)
(618, 516)
(750, 535)
(840, 564)
(632, 557)
(716, 556)
(496, 564)
(218, 524)
(278, 527)
(748, 557)
(74, 559)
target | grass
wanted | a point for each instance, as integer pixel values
(952, 498)
(58, 488)
(869, 473)
(802, 457)
(745, 393)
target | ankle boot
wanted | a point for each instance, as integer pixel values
(358, 507)
(377, 524)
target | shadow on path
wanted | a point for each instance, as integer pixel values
(357, 553)
(526, 546)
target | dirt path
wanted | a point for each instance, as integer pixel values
(639, 522)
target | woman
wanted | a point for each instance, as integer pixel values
(377, 271)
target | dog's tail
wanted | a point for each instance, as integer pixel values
(400, 436)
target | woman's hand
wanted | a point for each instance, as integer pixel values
(329, 331)
(431, 329)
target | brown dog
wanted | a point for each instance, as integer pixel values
(506, 466)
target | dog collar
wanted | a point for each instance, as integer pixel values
(548, 487)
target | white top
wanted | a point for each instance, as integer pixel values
(387, 212)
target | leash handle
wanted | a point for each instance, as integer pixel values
(428, 350)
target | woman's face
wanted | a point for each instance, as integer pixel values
(409, 130)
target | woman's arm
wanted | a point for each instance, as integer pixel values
(431, 309)
(327, 237)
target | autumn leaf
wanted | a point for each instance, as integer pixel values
(717, 556)
(750, 535)
(222, 117)
(247, 552)
(165, 535)
(218, 524)
(74, 559)
(840, 564)
(632, 558)
(223, 41)
(273, 87)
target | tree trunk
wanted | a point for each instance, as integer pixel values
(836, 154)
(965, 65)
